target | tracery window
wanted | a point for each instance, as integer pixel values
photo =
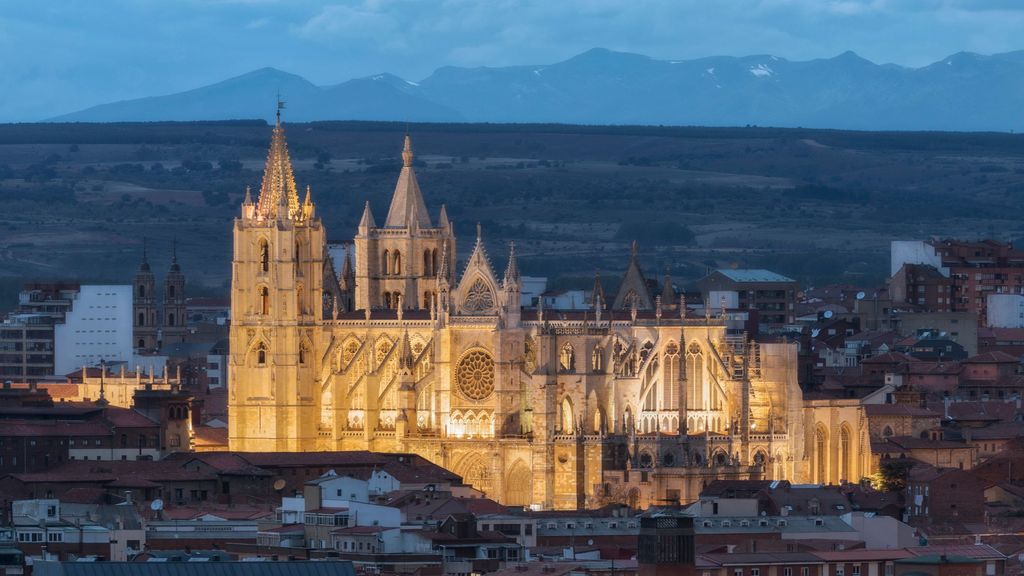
(475, 375)
(479, 298)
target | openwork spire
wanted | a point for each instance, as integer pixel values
(279, 197)
(512, 270)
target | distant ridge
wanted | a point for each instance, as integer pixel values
(965, 92)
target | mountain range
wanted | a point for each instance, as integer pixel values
(964, 92)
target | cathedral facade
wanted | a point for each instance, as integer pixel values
(636, 400)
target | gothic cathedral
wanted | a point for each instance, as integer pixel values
(638, 401)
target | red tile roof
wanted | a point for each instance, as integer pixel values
(996, 357)
(44, 428)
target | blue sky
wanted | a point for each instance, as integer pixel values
(64, 55)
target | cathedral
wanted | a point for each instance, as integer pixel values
(636, 400)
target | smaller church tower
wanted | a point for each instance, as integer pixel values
(174, 316)
(145, 317)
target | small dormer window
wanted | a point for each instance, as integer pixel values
(707, 523)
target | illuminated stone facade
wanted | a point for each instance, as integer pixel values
(635, 402)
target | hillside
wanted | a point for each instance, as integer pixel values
(820, 206)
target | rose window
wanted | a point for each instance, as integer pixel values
(475, 375)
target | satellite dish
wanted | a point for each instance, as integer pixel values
(279, 484)
(156, 505)
(590, 542)
(861, 295)
(815, 332)
(828, 313)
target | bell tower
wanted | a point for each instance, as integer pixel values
(174, 328)
(145, 319)
(400, 261)
(276, 301)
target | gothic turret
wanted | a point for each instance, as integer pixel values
(633, 293)
(174, 315)
(512, 286)
(145, 317)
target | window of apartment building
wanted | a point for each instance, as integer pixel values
(805, 571)
(737, 572)
(55, 537)
(529, 530)
(755, 572)
(787, 571)
(888, 569)
(840, 569)
(856, 570)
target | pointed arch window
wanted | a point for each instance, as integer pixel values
(142, 343)
(387, 264)
(302, 354)
(170, 319)
(264, 256)
(597, 360)
(170, 291)
(670, 392)
(844, 454)
(397, 268)
(261, 354)
(264, 300)
(142, 319)
(568, 420)
(695, 378)
(142, 290)
(567, 359)
(387, 299)
(300, 300)
(428, 268)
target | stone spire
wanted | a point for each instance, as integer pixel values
(144, 265)
(633, 291)
(175, 267)
(597, 298)
(307, 205)
(278, 196)
(442, 219)
(406, 358)
(407, 207)
(443, 274)
(367, 221)
(512, 270)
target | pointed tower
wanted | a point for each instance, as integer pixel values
(668, 292)
(174, 316)
(399, 261)
(145, 316)
(512, 287)
(276, 301)
(633, 293)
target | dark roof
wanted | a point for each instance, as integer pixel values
(338, 568)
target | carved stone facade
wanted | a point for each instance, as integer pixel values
(562, 409)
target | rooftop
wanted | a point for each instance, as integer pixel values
(753, 275)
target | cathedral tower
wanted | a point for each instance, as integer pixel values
(400, 261)
(276, 304)
(145, 317)
(174, 328)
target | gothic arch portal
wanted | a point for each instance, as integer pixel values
(519, 486)
(474, 471)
